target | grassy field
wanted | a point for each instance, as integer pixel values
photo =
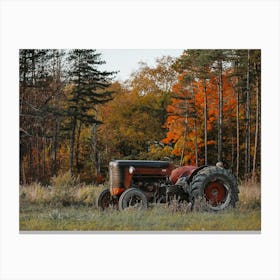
(69, 206)
(159, 219)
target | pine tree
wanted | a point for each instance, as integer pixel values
(89, 89)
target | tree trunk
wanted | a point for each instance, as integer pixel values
(195, 127)
(38, 157)
(95, 154)
(237, 134)
(248, 121)
(30, 162)
(220, 109)
(195, 143)
(185, 135)
(78, 147)
(232, 150)
(54, 147)
(72, 143)
(22, 96)
(57, 76)
(44, 158)
(257, 128)
(205, 127)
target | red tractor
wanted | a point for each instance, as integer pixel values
(136, 183)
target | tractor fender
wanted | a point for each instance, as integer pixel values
(182, 171)
(195, 172)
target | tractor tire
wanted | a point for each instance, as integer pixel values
(133, 198)
(216, 186)
(105, 200)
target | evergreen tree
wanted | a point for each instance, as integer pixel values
(89, 89)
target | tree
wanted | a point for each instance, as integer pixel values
(203, 87)
(57, 85)
(89, 89)
(133, 122)
(34, 96)
(54, 103)
(199, 63)
(246, 79)
(256, 57)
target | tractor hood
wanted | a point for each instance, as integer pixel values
(141, 163)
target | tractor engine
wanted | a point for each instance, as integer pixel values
(152, 187)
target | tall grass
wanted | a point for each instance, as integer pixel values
(68, 204)
(65, 190)
(249, 196)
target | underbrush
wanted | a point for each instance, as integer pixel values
(65, 190)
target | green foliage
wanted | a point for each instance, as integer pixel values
(89, 84)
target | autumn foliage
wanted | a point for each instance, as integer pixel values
(196, 109)
(186, 120)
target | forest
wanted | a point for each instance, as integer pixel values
(197, 109)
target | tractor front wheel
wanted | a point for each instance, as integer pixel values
(105, 200)
(133, 198)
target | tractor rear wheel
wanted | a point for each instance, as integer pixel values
(133, 198)
(105, 200)
(217, 186)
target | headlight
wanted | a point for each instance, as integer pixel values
(131, 169)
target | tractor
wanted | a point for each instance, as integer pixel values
(138, 183)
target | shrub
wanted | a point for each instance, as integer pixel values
(35, 193)
(63, 189)
(65, 180)
(86, 194)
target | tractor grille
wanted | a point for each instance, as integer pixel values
(115, 175)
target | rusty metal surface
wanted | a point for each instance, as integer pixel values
(181, 171)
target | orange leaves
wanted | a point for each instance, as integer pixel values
(186, 113)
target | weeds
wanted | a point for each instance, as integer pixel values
(65, 190)
(177, 206)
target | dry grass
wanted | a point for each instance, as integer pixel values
(65, 190)
(70, 205)
(249, 196)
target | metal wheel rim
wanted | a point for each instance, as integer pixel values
(107, 201)
(135, 201)
(217, 195)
